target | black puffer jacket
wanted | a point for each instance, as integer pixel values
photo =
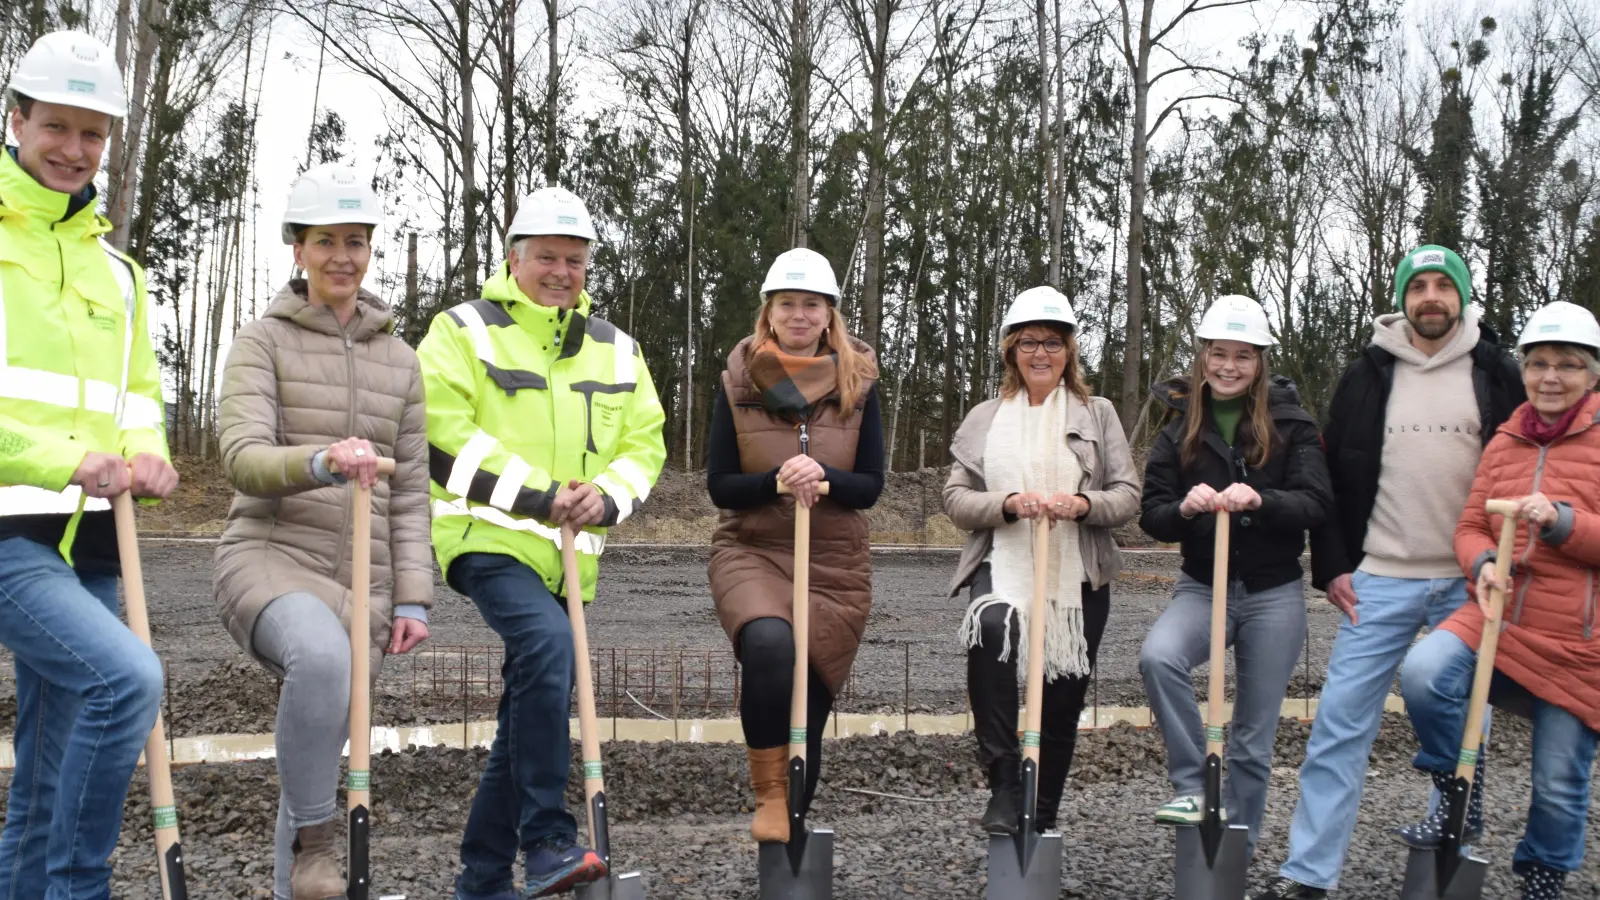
(1264, 544)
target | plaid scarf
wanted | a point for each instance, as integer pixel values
(791, 386)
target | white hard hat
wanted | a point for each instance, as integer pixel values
(551, 211)
(330, 194)
(1040, 304)
(73, 69)
(1236, 318)
(1561, 323)
(802, 270)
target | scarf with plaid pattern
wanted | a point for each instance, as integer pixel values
(791, 386)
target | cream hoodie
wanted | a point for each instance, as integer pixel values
(1431, 447)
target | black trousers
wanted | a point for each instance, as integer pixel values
(766, 660)
(992, 687)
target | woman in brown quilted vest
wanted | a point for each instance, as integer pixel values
(312, 394)
(798, 404)
(1547, 662)
(1043, 450)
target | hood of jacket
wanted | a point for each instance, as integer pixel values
(372, 315)
(1392, 333)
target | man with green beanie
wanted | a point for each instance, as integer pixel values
(1405, 429)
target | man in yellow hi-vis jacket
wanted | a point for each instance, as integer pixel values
(81, 421)
(539, 415)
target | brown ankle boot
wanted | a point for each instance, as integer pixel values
(315, 873)
(769, 776)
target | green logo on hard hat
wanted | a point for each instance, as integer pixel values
(1548, 329)
(1052, 309)
(80, 87)
(796, 276)
(1237, 326)
(566, 220)
(349, 204)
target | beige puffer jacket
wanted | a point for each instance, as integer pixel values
(296, 382)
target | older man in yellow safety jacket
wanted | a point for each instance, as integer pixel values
(539, 415)
(80, 422)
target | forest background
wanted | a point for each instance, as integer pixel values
(944, 154)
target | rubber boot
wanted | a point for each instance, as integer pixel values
(1429, 833)
(1540, 882)
(315, 873)
(1005, 798)
(769, 777)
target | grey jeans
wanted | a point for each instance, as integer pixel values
(302, 637)
(1266, 630)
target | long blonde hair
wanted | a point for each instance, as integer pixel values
(854, 367)
(1261, 432)
(1011, 382)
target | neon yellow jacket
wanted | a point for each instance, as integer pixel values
(522, 398)
(79, 372)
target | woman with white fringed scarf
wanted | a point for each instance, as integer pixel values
(1043, 450)
(1238, 440)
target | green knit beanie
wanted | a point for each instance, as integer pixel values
(1432, 258)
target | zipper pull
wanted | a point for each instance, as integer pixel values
(347, 343)
(805, 441)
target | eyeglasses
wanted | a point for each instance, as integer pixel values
(1565, 370)
(1051, 346)
(1222, 357)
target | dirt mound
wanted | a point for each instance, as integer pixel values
(198, 506)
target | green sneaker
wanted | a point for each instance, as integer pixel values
(1185, 811)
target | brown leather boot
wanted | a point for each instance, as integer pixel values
(769, 776)
(315, 873)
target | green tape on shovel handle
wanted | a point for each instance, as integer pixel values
(1469, 757)
(1214, 733)
(166, 816)
(359, 780)
(591, 769)
(1030, 739)
(797, 735)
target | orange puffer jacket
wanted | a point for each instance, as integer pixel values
(1549, 644)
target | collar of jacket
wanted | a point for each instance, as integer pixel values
(1588, 417)
(544, 322)
(22, 196)
(372, 316)
(968, 444)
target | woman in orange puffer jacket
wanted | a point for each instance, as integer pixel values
(1547, 666)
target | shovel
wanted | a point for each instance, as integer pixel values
(1027, 865)
(1448, 872)
(169, 853)
(358, 785)
(802, 868)
(628, 886)
(1213, 857)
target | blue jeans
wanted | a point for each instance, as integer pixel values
(88, 692)
(1266, 630)
(1361, 669)
(1437, 682)
(521, 798)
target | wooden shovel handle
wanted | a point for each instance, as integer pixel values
(1216, 686)
(1034, 698)
(385, 466)
(1483, 674)
(358, 782)
(588, 724)
(800, 694)
(158, 766)
(822, 488)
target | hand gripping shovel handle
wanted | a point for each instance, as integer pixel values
(594, 784)
(1483, 674)
(799, 695)
(169, 852)
(358, 784)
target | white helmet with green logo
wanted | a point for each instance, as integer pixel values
(1561, 323)
(551, 211)
(330, 194)
(1235, 317)
(73, 69)
(1040, 304)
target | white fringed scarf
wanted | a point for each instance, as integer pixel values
(1026, 450)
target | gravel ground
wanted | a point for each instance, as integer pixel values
(689, 832)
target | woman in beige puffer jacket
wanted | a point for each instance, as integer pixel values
(319, 386)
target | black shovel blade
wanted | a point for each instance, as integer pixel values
(627, 886)
(360, 882)
(177, 888)
(1199, 876)
(811, 880)
(1428, 877)
(1033, 874)
(797, 813)
(602, 830)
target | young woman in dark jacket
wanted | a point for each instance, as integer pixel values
(1239, 441)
